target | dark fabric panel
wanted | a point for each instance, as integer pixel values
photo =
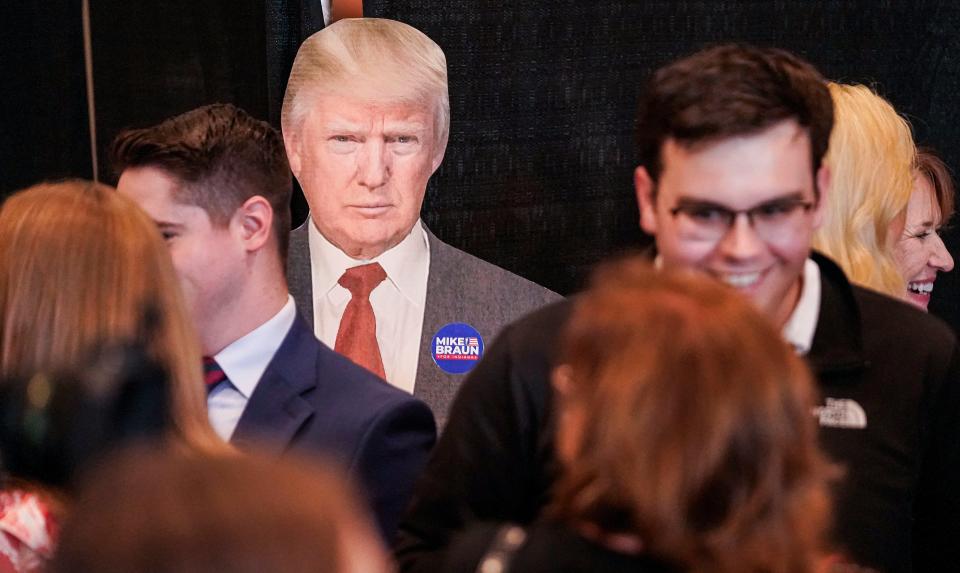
(157, 59)
(543, 92)
(288, 23)
(537, 176)
(43, 106)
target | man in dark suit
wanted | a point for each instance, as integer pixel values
(731, 184)
(217, 184)
(365, 122)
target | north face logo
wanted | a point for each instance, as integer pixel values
(841, 413)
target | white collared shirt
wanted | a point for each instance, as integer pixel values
(799, 329)
(325, 8)
(244, 361)
(802, 324)
(398, 302)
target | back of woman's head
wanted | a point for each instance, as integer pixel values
(173, 512)
(81, 268)
(686, 420)
(871, 158)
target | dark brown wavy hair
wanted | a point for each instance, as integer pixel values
(173, 512)
(731, 90)
(685, 420)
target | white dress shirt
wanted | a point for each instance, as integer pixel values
(244, 362)
(398, 302)
(802, 324)
(325, 7)
(799, 329)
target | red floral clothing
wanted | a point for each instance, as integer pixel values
(27, 532)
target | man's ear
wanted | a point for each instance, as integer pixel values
(254, 222)
(644, 188)
(824, 179)
(291, 141)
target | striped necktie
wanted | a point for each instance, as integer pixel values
(212, 373)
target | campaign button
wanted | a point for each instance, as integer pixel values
(457, 347)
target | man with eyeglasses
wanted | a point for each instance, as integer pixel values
(731, 183)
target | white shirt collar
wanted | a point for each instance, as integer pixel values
(325, 10)
(246, 359)
(405, 264)
(802, 324)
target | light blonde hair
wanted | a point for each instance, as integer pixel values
(369, 57)
(81, 266)
(691, 424)
(871, 159)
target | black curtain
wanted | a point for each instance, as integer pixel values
(43, 105)
(157, 59)
(537, 176)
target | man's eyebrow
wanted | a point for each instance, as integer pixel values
(693, 202)
(168, 225)
(698, 202)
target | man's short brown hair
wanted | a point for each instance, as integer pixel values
(731, 90)
(221, 156)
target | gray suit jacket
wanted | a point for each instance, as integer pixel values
(460, 288)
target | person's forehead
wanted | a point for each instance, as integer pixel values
(365, 107)
(923, 200)
(740, 170)
(155, 190)
(147, 184)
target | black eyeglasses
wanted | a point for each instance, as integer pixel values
(705, 221)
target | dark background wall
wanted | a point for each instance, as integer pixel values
(537, 176)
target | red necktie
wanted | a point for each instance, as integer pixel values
(340, 9)
(357, 337)
(212, 373)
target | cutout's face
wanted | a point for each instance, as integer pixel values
(364, 168)
(766, 173)
(208, 259)
(919, 251)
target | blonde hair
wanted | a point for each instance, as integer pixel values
(390, 59)
(871, 159)
(82, 266)
(695, 430)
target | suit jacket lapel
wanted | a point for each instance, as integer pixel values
(300, 273)
(430, 379)
(276, 411)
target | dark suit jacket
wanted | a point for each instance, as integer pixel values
(460, 288)
(495, 462)
(313, 400)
